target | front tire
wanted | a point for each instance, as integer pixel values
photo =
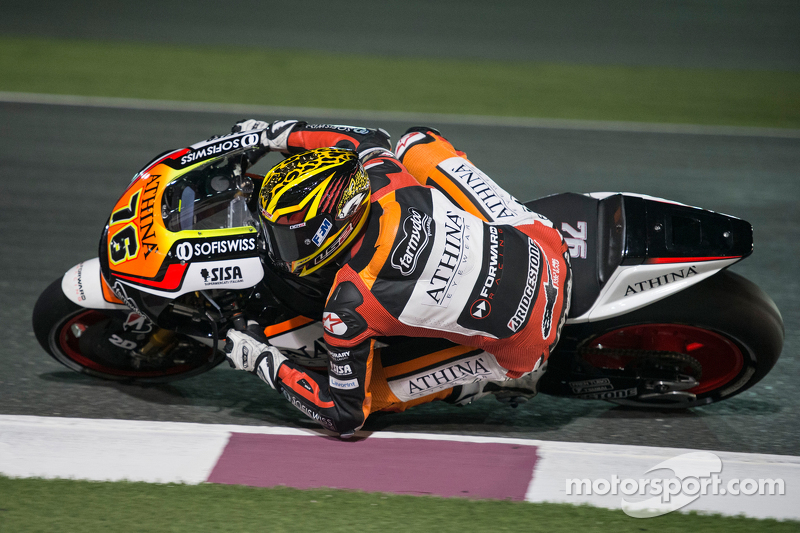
(107, 344)
(725, 325)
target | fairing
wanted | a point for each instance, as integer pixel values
(184, 224)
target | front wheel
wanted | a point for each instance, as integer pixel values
(116, 344)
(702, 345)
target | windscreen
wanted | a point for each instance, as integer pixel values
(212, 197)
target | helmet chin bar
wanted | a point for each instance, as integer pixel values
(338, 244)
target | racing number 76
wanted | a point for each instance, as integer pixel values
(124, 244)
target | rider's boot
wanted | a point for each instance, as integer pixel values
(511, 391)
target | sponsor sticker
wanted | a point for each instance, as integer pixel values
(340, 370)
(468, 369)
(322, 232)
(333, 324)
(339, 356)
(610, 394)
(222, 275)
(652, 283)
(78, 283)
(480, 309)
(346, 384)
(481, 186)
(417, 233)
(219, 146)
(119, 292)
(495, 271)
(334, 245)
(137, 323)
(551, 295)
(453, 255)
(339, 127)
(528, 299)
(407, 141)
(186, 251)
(591, 385)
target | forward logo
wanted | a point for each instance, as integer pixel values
(494, 271)
(480, 309)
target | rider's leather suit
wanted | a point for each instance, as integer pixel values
(446, 254)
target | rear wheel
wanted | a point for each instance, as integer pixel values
(702, 345)
(116, 344)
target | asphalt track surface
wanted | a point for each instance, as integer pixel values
(63, 167)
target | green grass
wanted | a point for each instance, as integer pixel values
(316, 79)
(66, 505)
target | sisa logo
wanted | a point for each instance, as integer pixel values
(221, 275)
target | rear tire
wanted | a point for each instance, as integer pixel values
(726, 323)
(96, 342)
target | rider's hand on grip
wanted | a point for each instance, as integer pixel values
(249, 350)
(249, 125)
(274, 137)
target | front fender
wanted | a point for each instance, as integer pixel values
(83, 284)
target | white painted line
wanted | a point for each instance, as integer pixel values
(100, 449)
(247, 110)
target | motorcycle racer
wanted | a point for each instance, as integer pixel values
(424, 246)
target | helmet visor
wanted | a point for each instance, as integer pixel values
(297, 241)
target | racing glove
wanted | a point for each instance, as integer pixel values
(274, 137)
(249, 350)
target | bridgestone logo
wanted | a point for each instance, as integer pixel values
(417, 231)
(529, 295)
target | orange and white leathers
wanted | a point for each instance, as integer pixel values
(447, 255)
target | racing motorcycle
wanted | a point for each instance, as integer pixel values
(656, 320)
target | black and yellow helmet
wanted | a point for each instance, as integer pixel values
(313, 205)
